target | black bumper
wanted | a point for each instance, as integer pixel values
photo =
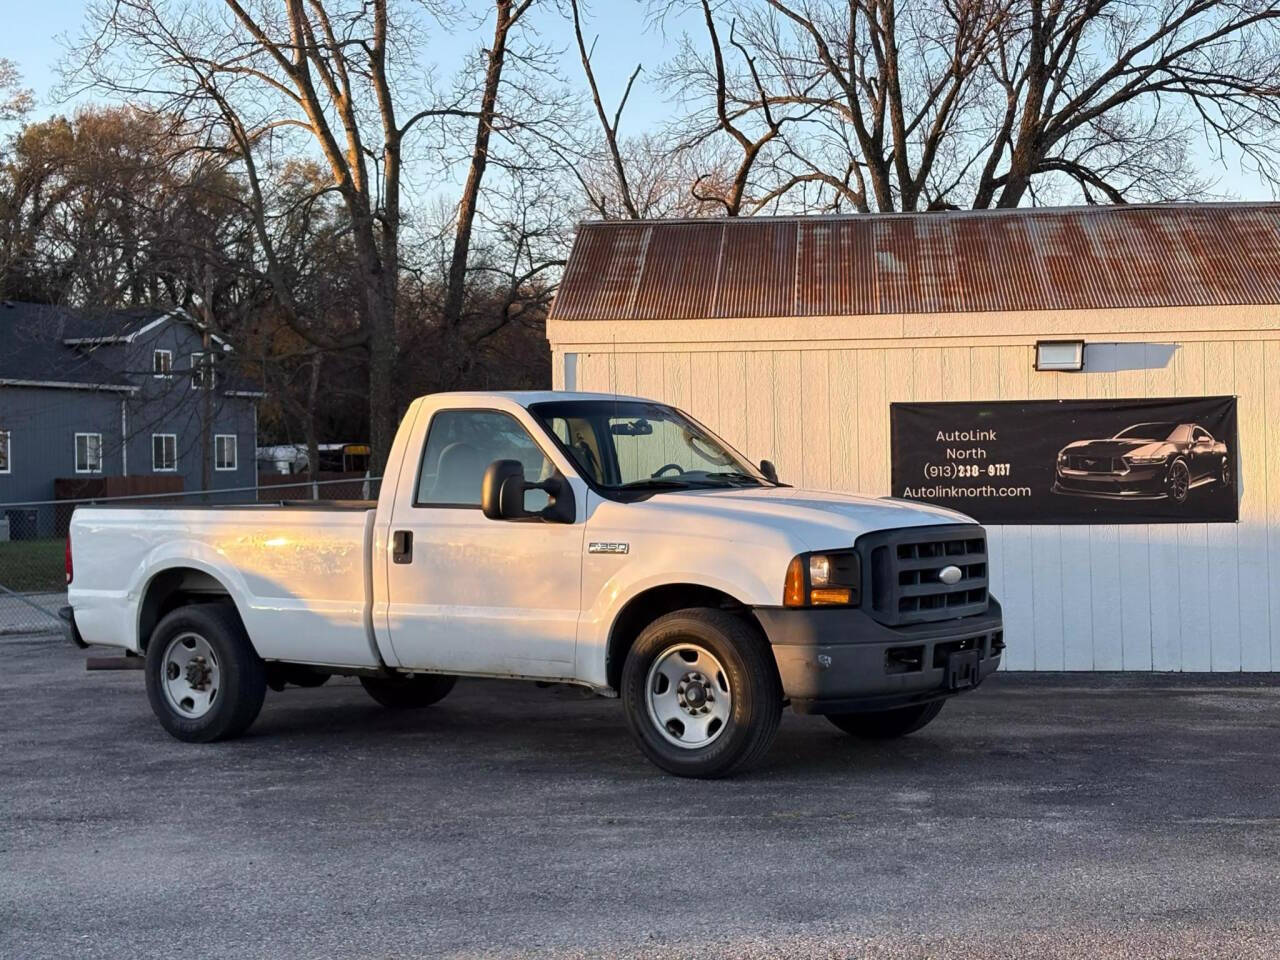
(68, 617)
(1141, 483)
(843, 661)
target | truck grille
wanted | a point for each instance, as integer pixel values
(904, 566)
(1095, 464)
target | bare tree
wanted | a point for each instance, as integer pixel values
(16, 101)
(608, 128)
(508, 15)
(989, 102)
(246, 75)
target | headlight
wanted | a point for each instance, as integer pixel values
(1144, 460)
(831, 578)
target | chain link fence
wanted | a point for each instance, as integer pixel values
(33, 537)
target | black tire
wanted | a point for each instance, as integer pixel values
(241, 685)
(1179, 481)
(754, 692)
(887, 724)
(408, 693)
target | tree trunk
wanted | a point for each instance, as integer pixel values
(382, 369)
(479, 160)
(309, 424)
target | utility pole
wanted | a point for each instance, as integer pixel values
(206, 414)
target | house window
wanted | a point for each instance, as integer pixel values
(224, 451)
(88, 453)
(164, 452)
(162, 364)
(202, 373)
(4, 451)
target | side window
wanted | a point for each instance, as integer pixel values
(1200, 433)
(461, 444)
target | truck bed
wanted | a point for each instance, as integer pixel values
(298, 572)
(291, 504)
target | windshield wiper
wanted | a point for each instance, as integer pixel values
(661, 483)
(732, 475)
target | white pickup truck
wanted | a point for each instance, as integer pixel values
(609, 542)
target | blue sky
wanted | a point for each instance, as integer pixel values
(625, 38)
(31, 32)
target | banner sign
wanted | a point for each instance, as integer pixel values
(1070, 461)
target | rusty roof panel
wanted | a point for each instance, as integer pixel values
(757, 269)
(600, 277)
(680, 269)
(1083, 258)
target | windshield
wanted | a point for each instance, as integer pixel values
(634, 444)
(1148, 431)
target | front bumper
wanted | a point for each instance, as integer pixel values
(1139, 483)
(842, 661)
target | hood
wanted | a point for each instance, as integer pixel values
(1112, 447)
(818, 519)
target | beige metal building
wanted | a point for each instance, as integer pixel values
(792, 336)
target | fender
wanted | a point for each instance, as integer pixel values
(177, 555)
(596, 624)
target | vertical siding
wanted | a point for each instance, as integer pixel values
(1156, 597)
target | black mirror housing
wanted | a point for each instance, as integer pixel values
(503, 488)
(502, 491)
(769, 470)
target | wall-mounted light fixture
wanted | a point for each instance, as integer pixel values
(1059, 354)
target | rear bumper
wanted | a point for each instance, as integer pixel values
(68, 616)
(843, 661)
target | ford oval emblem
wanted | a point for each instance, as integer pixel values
(950, 575)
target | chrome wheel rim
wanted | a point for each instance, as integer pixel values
(190, 675)
(1179, 481)
(688, 696)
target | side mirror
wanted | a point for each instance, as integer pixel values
(769, 470)
(503, 488)
(502, 491)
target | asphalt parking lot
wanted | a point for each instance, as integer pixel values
(1066, 817)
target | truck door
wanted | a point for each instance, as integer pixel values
(471, 595)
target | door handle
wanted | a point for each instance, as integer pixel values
(402, 546)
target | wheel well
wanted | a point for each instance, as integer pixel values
(174, 588)
(646, 607)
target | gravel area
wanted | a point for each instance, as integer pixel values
(1070, 817)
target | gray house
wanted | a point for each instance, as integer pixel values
(96, 402)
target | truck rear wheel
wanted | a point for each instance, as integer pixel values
(204, 680)
(408, 693)
(701, 693)
(887, 724)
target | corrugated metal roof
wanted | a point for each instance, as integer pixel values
(1070, 258)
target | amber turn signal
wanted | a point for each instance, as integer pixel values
(840, 595)
(793, 586)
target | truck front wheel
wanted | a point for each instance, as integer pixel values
(887, 724)
(204, 680)
(701, 693)
(408, 693)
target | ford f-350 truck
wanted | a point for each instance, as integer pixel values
(609, 542)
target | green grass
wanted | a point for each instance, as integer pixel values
(27, 566)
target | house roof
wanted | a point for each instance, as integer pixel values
(32, 350)
(1159, 255)
(110, 325)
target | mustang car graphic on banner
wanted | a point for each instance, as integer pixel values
(1151, 460)
(1070, 461)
